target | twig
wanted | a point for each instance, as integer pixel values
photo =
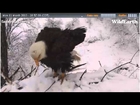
(28, 74)
(14, 72)
(4, 90)
(43, 71)
(23, 71)
(50, 86)
(105, 71)
(43, 65)
(70, 69)
(93, 82)
(100, 64)
(119, 66)
(6, 78)
(78, 86)
(32, 67)
(133, 72)
(82, 75)
(77, 66)
(134, 55)
(36, 71)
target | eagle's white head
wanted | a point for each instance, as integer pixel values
(38, 51)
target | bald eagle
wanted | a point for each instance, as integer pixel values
(54, 47)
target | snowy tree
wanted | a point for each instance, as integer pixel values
(4, 61)
(14, 32)
(89, 22)
(51, 22)
(72, 24)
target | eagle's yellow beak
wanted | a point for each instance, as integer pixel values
(36, 62)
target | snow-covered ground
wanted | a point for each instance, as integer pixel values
(109, 54)
(90, 82)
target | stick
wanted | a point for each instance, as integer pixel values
(77, 66)
(82, 75)
(43, 71)
(28, 74)
(23, 71)
(6, 78)
(50, 86)
(134, 55)
(101, 66)
(14, 72)
(43, 65)
(78, 86)
(36, 71)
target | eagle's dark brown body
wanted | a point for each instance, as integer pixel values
(59, 45)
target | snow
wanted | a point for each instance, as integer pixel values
(40, 83)
(105, 51)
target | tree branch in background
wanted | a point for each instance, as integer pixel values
(120, 65)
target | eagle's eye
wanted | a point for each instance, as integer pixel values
(34, 52)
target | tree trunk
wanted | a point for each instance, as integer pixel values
(4, 55)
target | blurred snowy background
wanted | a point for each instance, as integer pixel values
(106, 46)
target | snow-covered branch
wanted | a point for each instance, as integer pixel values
(129, 62)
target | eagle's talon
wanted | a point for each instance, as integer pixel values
(61, 77)
(55, 74)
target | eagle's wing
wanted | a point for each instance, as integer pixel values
(68, 40)
(61, 45)
(48, 34)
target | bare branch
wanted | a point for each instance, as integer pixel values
(77, 85)
(43, 71)
(50, 86)
(134, 55)
(28, 74)
(36, 71)
(32, 68)
(82, 75)
(101, 66)
(92, 82)
(120, 65)
(14, 72)
(6, 78)
(43, 65)
(22, 71)
(77, 66)
(30, 25)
